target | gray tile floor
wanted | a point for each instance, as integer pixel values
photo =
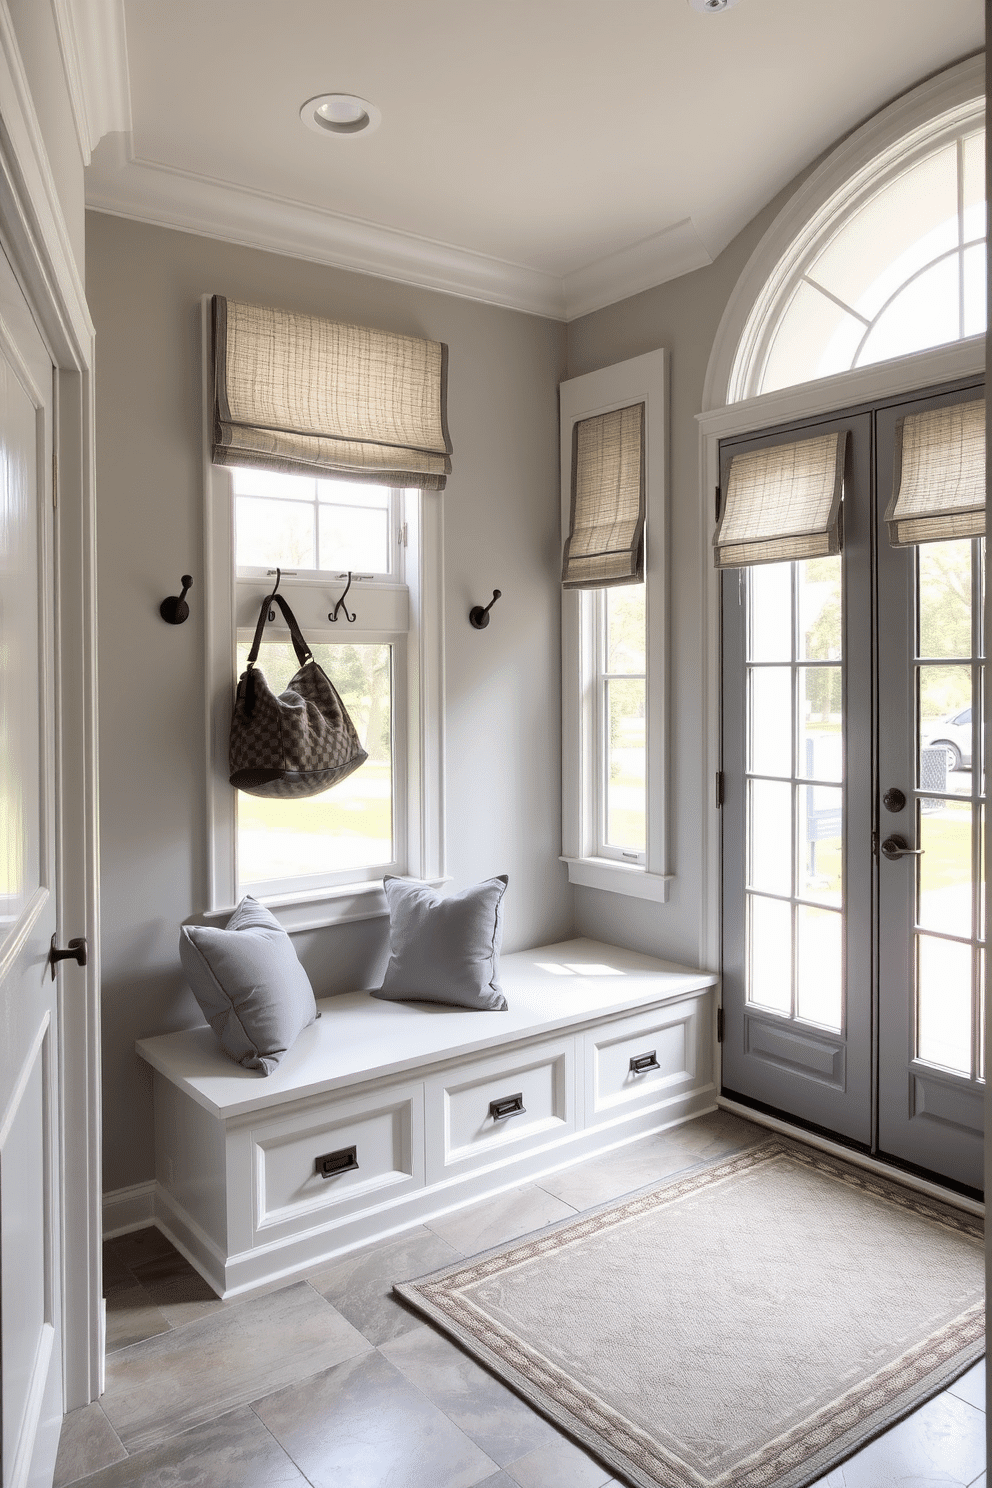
(327, 1380)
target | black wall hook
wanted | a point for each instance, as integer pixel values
(333, 615)
(275, 590)
(479, 617)
(175, 610)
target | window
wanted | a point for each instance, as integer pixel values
(613, 647)
(322, 859)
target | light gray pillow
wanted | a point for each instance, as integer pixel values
(444, 950)
(249, 982)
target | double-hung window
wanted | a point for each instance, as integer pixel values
(614, 599)
(358, 561)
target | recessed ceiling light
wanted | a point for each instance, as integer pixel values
(340, 113)
(712, 7)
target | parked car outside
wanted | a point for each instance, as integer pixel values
(953, 733)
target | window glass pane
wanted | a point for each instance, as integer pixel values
(770, 953)
(975, 286)
(925, 313)
(981, 882)
(945, 868)
(625, 629)
(625, 794)
(353, 493)
(906, 226)
(944, 1003)
(945, 724)
(820, 958)
(273, 484)
(815, 337)
(350, 825)
(353, 538)
(770, 612)
(770, 721)
(273, 534)
(819, 589)
(945, 598)
(974, 186)
(820, 818)
(820, 699)
(769, 836)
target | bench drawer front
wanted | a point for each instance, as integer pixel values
(489, 1108)
(373, 1147)
(642, 1060)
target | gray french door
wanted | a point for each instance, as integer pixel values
(853, 827)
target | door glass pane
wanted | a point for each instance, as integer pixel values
(351, 824)
(770, 628)
(770, 953)
(945, 598)
(822, 754)
(945, 724)
(944, 1003)
(820, 825)
(819, 985)
(625, 794)
(769, 835)
(946, 867)
(770, 721)
(819, 595)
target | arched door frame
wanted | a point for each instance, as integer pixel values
(894, 134)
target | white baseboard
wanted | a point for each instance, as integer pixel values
(127, 1209)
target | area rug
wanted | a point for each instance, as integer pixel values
(749, 1325)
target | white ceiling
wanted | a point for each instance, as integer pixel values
(527, 147)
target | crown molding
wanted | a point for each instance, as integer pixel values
(666, 255)
(93, 43)
(124, 186)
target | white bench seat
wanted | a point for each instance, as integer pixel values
(384, 1114)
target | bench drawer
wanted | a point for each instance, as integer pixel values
(641, 1060)
(480, 1111)
(372, 1148)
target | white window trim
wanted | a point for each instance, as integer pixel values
(423, 724)
(643, 379)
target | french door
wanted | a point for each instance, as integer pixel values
(853, 825)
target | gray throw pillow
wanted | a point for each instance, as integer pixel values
(248, 980)
(444, 950)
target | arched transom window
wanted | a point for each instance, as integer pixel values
(893, 263)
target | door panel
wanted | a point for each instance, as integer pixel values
(930, 608)
(797, 821)
(30, 1332)
(854, 827)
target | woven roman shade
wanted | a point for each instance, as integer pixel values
(782, 503)
(313, 397)
(605, 545)
(938, 484)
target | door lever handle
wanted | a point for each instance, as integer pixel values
(75, 952)
(897, 847)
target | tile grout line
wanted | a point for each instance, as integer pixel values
(278, 1443)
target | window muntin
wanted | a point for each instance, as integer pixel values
(325, 528)
(621, 763)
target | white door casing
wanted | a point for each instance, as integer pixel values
(30, 1225)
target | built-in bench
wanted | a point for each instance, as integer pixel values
(385, 1114)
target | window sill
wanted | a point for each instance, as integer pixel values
(321, 907)
(619, 878)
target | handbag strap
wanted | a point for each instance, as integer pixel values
(303, 652)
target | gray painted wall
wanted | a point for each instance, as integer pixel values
(502, 686)
(682, 316)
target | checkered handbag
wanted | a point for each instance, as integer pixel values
(299, 743)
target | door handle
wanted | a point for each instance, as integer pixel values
(76, 951)
(897, 847)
